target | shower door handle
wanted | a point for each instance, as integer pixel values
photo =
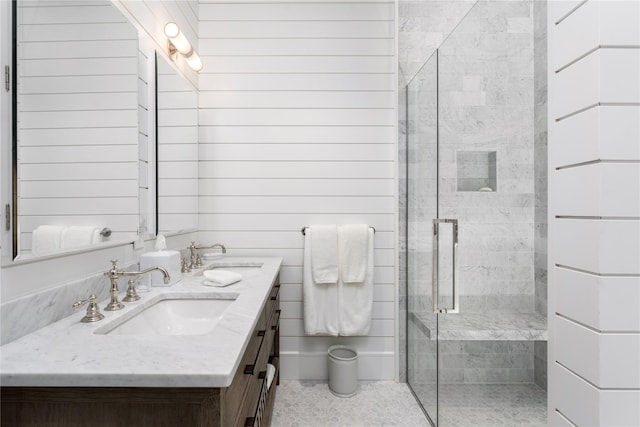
(436, 305)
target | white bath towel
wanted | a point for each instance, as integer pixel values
(355, 300)
(353, 244)
(46, 238)
(220, 278)
(324, 254)
(320, 303)
(76, 236)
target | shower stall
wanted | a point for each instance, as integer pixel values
(476, 221)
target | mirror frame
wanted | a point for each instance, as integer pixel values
(14, 130)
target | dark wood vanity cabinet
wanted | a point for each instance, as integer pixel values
(246, 402)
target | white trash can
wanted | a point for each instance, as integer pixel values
(343, 370)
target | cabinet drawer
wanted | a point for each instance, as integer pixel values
(255, 402)
(234, 394)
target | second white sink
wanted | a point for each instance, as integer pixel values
(174, 316)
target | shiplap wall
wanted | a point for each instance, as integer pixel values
(177, 151)
(77, 117)
(594, 206)
(297, 127)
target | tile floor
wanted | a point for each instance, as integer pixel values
(490, 405)
(311, 404)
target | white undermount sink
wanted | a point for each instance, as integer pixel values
(174, 316)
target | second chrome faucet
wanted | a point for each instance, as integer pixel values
(196, 261)
(114, 274)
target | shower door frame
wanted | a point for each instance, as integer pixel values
(436, 221)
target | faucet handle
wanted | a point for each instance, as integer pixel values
(132, 295)
(185, 266)
(93, 311)
(114, 262)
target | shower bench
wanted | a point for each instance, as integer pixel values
(483, 327)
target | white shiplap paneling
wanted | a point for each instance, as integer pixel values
(177, 151)
(594, 227)
(296, 128)
(59, 151)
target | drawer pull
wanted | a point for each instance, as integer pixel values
(277, 289)
(248, 369)
(275, 324)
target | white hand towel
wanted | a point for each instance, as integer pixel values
(220, 278)
(353, 242)
(320, 302)
(355, 300)
(46, 238)
(324, 253)
(271, 373)
(76, 236)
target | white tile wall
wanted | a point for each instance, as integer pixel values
(297, 127)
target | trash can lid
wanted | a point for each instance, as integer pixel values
(342, 352)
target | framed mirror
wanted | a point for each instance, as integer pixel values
(76, 126)
(177, 150)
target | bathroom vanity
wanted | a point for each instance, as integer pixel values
(110, 373)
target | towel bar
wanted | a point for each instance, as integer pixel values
(305, 227)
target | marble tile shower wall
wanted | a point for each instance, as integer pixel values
(540, 159)
(486, 105)
(422, 27)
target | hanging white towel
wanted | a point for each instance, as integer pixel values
(320, 302)
(324, 254)
(76, 236)
(220, 278)
(353, 244)
(355, 300)
(46, 238)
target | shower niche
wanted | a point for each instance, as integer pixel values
(476, 171)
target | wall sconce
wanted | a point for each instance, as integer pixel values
(178, 43)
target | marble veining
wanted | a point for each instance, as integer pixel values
(483, 326)
(48, 306)
(69, 353)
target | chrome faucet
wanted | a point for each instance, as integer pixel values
(114, 274)
(196, 262)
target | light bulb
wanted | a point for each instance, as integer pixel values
(177, 38)
(194, 61)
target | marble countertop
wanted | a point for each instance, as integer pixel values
(69, 353)
(484, 327)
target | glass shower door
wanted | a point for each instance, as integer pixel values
(471, 359)
(422, 207)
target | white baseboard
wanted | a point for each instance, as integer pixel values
(313, 366)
